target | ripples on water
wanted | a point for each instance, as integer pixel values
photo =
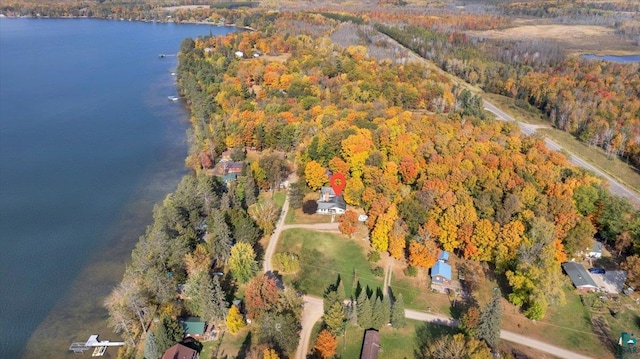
(88, 142)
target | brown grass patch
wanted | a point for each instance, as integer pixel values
(575, 38)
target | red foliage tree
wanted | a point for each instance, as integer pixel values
(348, 223)
(261, 295)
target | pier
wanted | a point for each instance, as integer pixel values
(99, 346)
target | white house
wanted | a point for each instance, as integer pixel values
(329, 203)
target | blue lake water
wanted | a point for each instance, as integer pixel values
(619, 59)
(88, 142)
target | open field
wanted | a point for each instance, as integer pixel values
(395, 343)
(576, 39)
(324, 256)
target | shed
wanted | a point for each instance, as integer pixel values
(579, 276)
(441, 272)
(596, 251)
(193, 326)
(370, 344)
(444, 256)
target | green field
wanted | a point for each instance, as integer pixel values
(394, 343)
(324, 256)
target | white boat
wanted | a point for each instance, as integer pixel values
(173, 98)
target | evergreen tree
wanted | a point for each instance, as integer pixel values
(398, 319)
(167, 333)
(490, 320)
(386, 310)
(377, 316)
(151, 347)
(219, 239)
(250, 191)
(365, 319)
(296, 194)
(334, 318)
(217, 309)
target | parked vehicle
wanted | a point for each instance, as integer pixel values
(596, 270)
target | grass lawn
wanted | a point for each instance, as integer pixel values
(324, 256)
(227, 345)
(296, 216)
(395, 343)
(279, 198)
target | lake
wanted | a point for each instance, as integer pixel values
(628, 59)
(88, 143)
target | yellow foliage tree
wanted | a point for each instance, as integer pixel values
(315, 174)
(235, 321)
(397, 241)
(384, 224)
(270, 353)
(423, 254)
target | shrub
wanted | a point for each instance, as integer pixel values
(286, 263)
(411, 271)
(377, 271)
(373, 257)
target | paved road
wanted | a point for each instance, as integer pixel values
(614, 186)
(504, 334)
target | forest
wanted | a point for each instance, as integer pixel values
(421, 158)
(440, 179)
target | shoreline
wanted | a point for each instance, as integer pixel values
(249, 28)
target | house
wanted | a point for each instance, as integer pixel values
(441, 273)
(596, 251)
(444, 256)
(180, 351)
(193, 326)
(370, 344)
(234, 167)
(580, 277)
(329, 203)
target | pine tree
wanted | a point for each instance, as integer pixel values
(377, 317)
(250, 190)
(334, 318)
(386, 310)
(217, 308)
(364, 311)
(151, 347)
(220, 237)
(490, 320)
(398, 319)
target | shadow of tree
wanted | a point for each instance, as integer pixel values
(246, 347)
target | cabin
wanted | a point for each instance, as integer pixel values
(580, 277)
(329, 203)
(193, 327)
(370, 344)
(180, 351)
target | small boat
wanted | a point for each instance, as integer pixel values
(173, 98)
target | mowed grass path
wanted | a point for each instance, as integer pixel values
(324, 256)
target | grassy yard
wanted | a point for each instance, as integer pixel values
(324, 256)
(227, 345)
(296, 216)
(395, 343)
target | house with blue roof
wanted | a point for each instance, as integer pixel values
(444, 256)
(441, 273)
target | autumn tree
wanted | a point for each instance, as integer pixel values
(632, 265)
(397, 239)
(265, 214)
(235, 321)
(270, 353)
(348, 223)
(423, 253)
(456, 347)
(242, 262)
(315, 174)
(261, 295)
(325, 344)
(384, 224)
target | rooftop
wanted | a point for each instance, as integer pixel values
(193, 326)
(370, 345)
(579, 276)
(442, 269)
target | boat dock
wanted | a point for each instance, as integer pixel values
(99, 346)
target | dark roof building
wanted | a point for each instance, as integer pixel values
(329, 203)
(370, 345)
(180, 351)
(579, 276)
(193, 326)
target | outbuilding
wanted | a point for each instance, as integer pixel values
(580, 277)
